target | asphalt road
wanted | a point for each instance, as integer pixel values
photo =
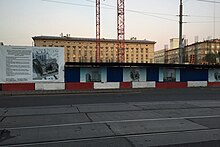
(107, 96)
(111, 118)
(133, 124)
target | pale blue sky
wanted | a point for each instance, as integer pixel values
(22, 19)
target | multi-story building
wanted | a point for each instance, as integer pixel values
(159, 56)
(174, 43)
(84, 49)
(194, 53)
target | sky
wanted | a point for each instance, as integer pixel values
(154, 20)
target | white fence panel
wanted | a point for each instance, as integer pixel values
(108, 85)
(197, 83)
(143, 84)
(49, 86)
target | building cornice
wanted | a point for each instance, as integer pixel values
(88, 39)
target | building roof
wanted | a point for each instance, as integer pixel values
(88, 39)
(205, 41)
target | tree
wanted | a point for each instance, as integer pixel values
(211, 58)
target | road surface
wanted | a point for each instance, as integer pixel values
(136, 118)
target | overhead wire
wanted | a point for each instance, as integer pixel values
(209, 1)
(67, 3)
(151, 14)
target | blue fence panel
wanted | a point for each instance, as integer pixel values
(114, 74)
(193, 75)
(153, 74)
(72, 74)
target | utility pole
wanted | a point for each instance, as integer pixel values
(214, 20)
(181, 33)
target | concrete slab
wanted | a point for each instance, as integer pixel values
(216, 109)
(155, 102)
(108, 142)
(128, 115)
(152, 106)
(212, 122)
(20, 136)
(41, 120)
(187, 112)
(106, 107)
(212, 143)
(153, 126)
(175, 138)
(205, 103)
(41, 107)
(40, 111)
(2, 111)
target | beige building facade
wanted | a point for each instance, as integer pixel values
(159, 56)
(174, 43)
(194, 53)
(84, 49)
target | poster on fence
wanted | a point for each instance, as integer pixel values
(169, 75)
(214, 75)
(21, 64)
(134, 74)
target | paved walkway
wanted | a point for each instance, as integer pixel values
(112, 124)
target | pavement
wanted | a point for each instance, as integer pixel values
(95, 91)
(54, 92)
(127, 124)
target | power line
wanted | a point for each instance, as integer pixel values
(111, 7)
(204, 22)
(143, 13)
(67, 3)
(209, 1)
(201, 16)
